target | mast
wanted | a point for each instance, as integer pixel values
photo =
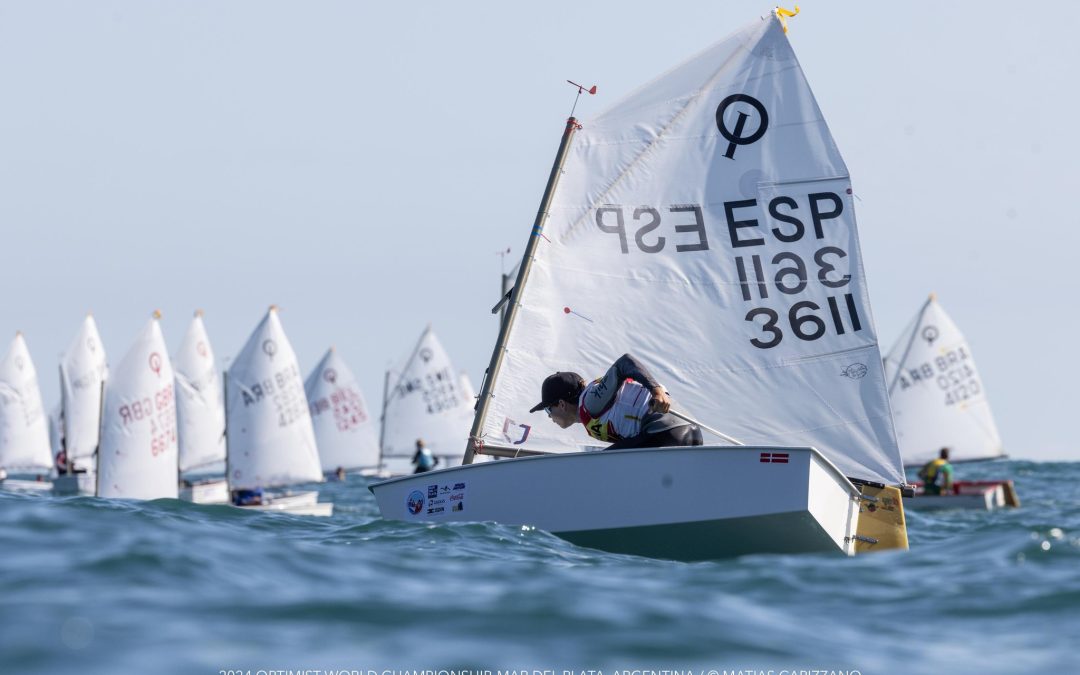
(382, 418)
(63, 423)
(495, 364)
(225, 428)
(97, 450)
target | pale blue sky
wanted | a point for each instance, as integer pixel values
(359, 164)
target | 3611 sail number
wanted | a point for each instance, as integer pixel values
(807, 320)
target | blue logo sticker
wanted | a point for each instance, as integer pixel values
(415, 503)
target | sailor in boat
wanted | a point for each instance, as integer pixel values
(937, 475)
(626, 407)
(423, 459)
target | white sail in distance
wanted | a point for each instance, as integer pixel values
(138, 455)
(271, 442)
(426, 401)
(938, 398)
(200, 405)
(83, 369)
(24, 427)
(344, 428)
(468, 391)
(706, 225)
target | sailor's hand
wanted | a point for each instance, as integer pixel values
(661, 402)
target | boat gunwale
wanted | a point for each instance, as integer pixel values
(814, 452)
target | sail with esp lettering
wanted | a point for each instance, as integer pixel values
(706, 225)
(938, 398)
(138, 455)
(271, 442)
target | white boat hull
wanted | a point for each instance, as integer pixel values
(206, 492)
(687, 503)
(298, 504)
(988, 499)
(75, 484)
(25, 485)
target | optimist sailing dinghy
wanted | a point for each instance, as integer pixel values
(83, 371)
(939, 401)
(705, 224)
(344, 429)
(200, 414)
(429, 400)
(138, 454)
(25, 455)
(270, 442)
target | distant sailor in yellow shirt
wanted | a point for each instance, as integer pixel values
(937, 475)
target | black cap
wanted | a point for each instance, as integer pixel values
(561, 386)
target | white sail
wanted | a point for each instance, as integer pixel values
(271, 442)
(200, 406)
(938, 399)
(344, 428)
(138, 455)
(705, 224)
(426, 401)
(24, 430)
(83, 369)
(468, 392)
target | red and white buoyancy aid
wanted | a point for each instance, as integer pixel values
(622, 417)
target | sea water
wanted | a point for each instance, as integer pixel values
(107, 586)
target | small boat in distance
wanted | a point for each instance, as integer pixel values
(83, 371)
(200, 413)
(344, 428)
(270, 442)
(25, 455)
(425, 400)
(137, 458)
(939, 401)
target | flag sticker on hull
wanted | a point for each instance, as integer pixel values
(774, 458)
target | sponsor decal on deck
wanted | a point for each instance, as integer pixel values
(415, 502)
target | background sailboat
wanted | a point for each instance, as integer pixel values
(706, 224)
(24, 434)
(138, 454)
(269, 436)
(939, 400)
(200, 412)
(83, 371)
(344, 428)
(425, 400)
